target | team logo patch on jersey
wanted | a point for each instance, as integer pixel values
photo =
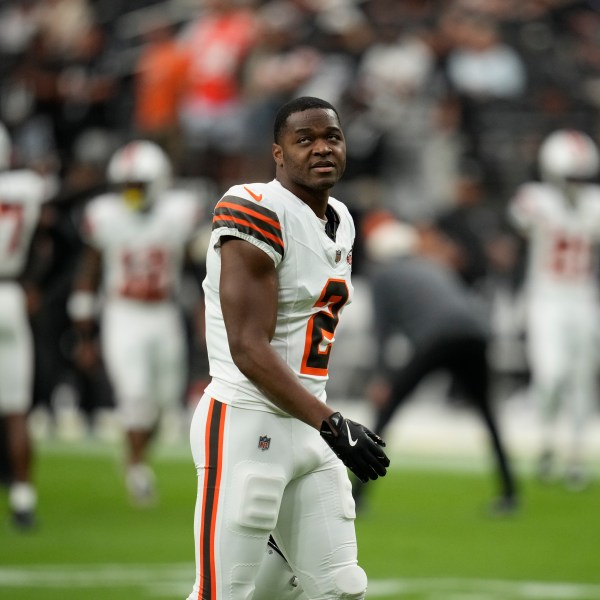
(264, 442)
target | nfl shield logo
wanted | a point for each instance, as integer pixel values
(264, 442)
(338, 255)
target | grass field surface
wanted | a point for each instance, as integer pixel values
(424, 534)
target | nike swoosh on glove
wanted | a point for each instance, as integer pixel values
(356, 446)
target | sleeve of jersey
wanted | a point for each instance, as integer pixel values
(92, 226)
(88, 230)
(37, 188)
(594, 212)
(525, 208)
(252, 222)
(184, 211)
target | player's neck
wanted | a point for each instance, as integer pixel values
(318, 206)
(316, 200)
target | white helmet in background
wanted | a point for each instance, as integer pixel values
(567, 154)
(5, 148)
(142, 170)
(387, 238)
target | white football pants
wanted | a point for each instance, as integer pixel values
(262, 473)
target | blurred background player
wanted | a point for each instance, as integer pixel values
(561, 218)
(136, 241)
(23, 258)
(420, 299)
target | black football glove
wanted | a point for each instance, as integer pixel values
(356, 446)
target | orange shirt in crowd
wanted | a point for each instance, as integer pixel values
(217, 45)
(160, 79)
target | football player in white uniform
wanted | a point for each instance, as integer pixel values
(22, 196)
(561, 218)
(136, 244)
(269, 452)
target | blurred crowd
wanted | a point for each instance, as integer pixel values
(424, 86)
(444, 105)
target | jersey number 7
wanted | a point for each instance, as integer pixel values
(11, 227)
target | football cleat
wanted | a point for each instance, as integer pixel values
(23, 520)
(503, 506)
(141, 485)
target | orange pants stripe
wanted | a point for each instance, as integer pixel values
(212, 479)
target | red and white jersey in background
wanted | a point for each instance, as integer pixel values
(563, 237)
(142, 252)
(22, 193)
(314, 285)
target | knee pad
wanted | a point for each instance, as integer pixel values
(351, 583)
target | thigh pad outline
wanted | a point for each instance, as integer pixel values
(259, 495)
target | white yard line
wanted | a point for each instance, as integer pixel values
(168, 580)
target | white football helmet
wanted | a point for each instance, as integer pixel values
(142, 170)
(567, 154)
(5, 148)
(387, 238)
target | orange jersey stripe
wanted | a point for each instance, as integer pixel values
(249, 211)
(266, 234)
(250, 218)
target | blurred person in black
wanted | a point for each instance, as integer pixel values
(468, 221)
(417, 295)
(4, 461)
(56, 340)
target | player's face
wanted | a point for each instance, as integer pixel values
(312, 151)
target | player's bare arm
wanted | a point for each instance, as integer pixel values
(249, 303)
(89, 270)
(39, 260)
(248, 290)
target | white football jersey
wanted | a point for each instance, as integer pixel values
(563, 237)
(314, 285)
(142, 251)
(22, 194)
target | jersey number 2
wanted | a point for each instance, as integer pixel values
(321, 327)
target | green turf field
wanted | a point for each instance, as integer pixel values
(424, 535)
